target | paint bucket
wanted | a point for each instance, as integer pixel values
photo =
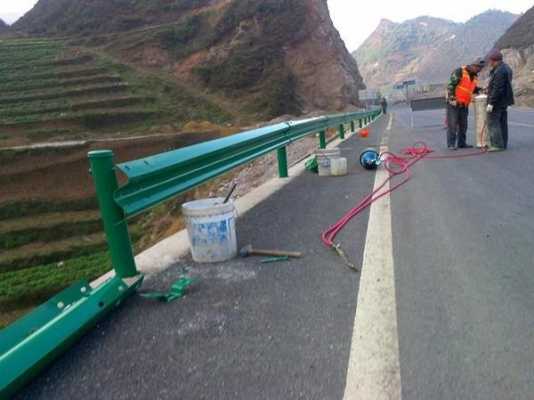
(338, 166)
(211, 229)
(324, 157)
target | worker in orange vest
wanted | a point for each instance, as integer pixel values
(463, 83)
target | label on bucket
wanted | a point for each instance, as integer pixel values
(209, 233)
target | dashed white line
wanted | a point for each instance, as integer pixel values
(374, 368)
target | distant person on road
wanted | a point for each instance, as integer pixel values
(500, 97)
(463, 83)
(384, 105)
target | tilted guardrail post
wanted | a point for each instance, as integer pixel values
(322, 139)
(115, 225)
(282, 162)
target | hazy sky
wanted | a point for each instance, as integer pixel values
(357, 19)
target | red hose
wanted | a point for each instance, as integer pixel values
(396, 165)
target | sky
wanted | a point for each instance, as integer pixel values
(356, 20)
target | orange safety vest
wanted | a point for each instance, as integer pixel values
(466, 88)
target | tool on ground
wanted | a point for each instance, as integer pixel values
(176, 291)
(230, 193)
(370, 159)
(274, 259)
(250, 251)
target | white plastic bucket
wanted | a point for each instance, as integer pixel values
(323, 160)
(338, 166)
(211, 229)
(479, 137)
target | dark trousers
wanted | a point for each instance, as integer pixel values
(498, 127)
(456, 125)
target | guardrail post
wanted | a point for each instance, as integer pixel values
(352, 127)
(360, 121)
(322, 139)
(115, 225)
(342, 131)
(282, 163)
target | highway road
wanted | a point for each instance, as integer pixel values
(443, 307)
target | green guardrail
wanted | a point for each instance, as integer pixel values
(29, 344)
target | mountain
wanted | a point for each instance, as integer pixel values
(3, 26)
(268, 57)
(517, 45)
(427, 48)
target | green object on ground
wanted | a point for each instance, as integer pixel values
(312, 165)
(274, 259)
(176, 291)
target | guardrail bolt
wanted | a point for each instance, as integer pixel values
(282, 162)
(115, 225)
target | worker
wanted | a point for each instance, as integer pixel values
(384, 105)
(500, 97)
(463, 83)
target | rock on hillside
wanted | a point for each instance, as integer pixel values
(518, 47)
(267, 57)
(426, 48)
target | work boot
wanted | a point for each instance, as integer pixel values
(465, 146)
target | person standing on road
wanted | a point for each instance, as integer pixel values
(500, 97)
(384, 105)
(463, 83)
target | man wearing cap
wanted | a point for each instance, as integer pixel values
(500, 97)
(463, 83)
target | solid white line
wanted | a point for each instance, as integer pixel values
(390, 124)
(374, 369)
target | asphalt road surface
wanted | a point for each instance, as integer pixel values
(443, 309)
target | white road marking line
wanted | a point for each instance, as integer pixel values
(390, 124)
(521, 124)
(385, 138)
(374, 368)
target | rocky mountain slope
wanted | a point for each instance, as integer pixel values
(265, 58)
(518, 47)
(3, 26)
(427, 49)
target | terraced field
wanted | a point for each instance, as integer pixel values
(50, 229)
(52, 91)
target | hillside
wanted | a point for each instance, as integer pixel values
(518, 47)
(3, 26)
(51, 91)
(266, 58)
(427, 49)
